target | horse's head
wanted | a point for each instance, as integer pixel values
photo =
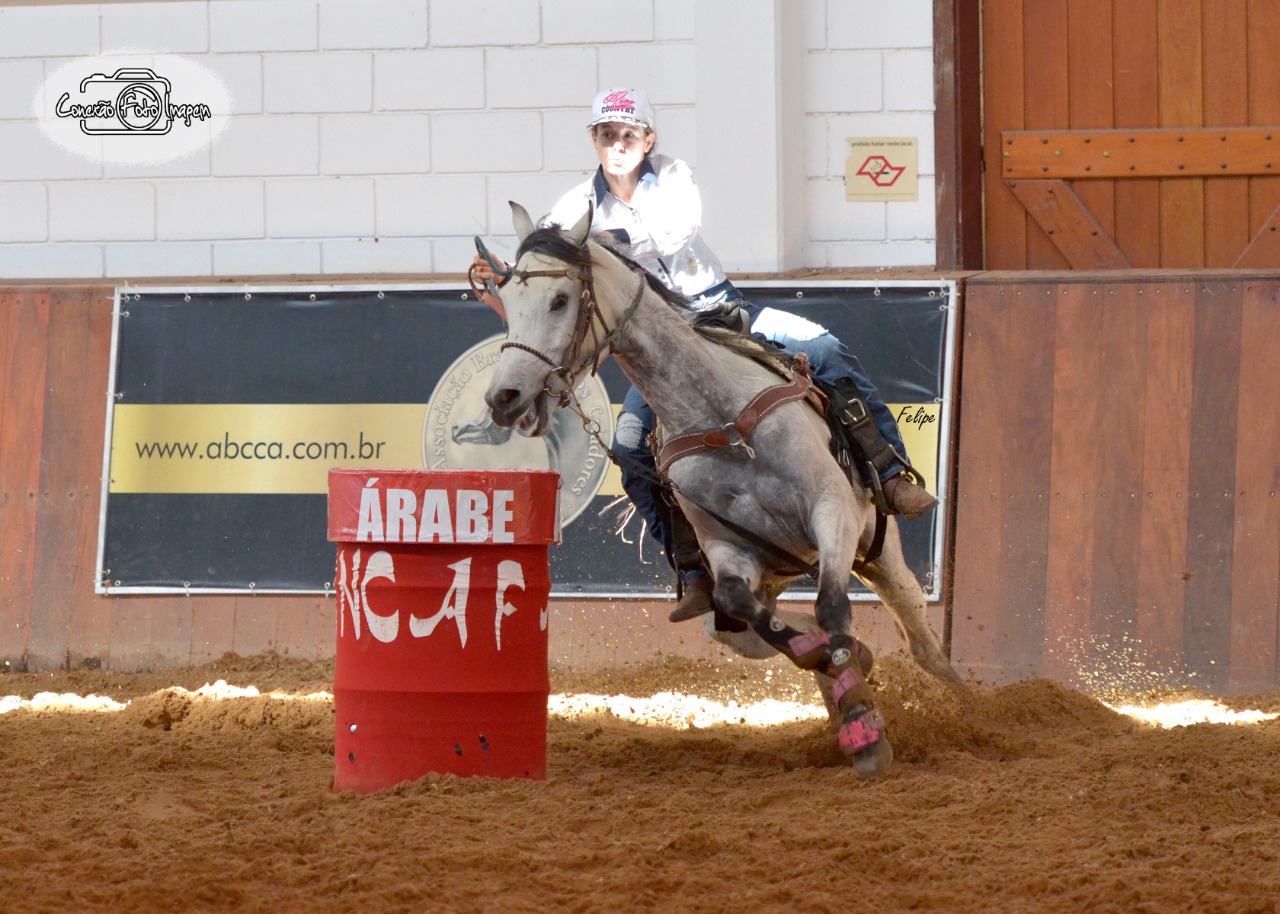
(549, 310)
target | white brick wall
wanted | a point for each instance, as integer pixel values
(180, 27)
(492, 23)
(21, 79)
(322, 81)
(263, 25)
(373, 136)
(26, 212)
(320, 207)
(392, 143)
(210, 210)
(593, 22)
(442, 80)
(102, 211)
(373, 24)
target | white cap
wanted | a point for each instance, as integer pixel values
(630, 106)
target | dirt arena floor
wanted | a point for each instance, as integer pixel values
(1027, 798)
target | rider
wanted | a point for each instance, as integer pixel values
(649, 202)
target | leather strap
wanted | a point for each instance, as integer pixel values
(734, 433)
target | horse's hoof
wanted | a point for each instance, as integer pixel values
(874, 760)
(863, 738)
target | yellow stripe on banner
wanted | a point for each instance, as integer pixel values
(288, 449)
(251, 448)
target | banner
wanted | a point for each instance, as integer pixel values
(228, 409)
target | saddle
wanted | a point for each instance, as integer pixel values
(800, 385)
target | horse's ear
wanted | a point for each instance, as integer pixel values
(578, 234)
(520, 217)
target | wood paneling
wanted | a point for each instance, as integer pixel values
(1255, 556)
(1047, 98)
(1263, 93)
(25, 319)
(1003, 109)
(1131, 65)
(1136, 80)
(1117, 499)
(54, 350)
(70, 460)
(1162, 539)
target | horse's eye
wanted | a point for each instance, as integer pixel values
(559, 302)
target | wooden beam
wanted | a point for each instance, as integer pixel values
(1069, 225)
(957, 128)
(1160, 153)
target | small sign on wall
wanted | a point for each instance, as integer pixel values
(881, 168)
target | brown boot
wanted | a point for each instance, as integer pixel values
(907, 498)
(696, 600)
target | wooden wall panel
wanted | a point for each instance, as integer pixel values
(1166, 460)
(1136, 92)
(1226, 200)
(1006, 386)
(1255, 574)
(89, 626)
(1134, 64)
(1263, 92)
(1211, 481)
(1079, 418)
(1162, 568)
(1090, 97)
(1121, 430)
(25, 320)
(1179, 32)
(1002, 38)
(70, 459)
(1047, 99)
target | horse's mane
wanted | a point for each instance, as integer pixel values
(550, 240)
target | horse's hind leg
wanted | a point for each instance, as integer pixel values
(894, 583)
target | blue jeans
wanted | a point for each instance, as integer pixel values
(830, 360)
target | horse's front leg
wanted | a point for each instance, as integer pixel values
(838, 657)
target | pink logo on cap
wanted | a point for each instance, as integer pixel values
(618, 100)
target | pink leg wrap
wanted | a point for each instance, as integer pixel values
(845, 682)
(807, 649)
(858, 734)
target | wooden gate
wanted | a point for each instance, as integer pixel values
(1131, 133)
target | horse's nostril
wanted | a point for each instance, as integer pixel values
(506, 397)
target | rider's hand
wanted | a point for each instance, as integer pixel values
(483, 274)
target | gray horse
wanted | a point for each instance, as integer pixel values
(571, 302)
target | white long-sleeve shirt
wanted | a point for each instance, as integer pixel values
(663, 222)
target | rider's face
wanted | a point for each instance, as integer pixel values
(621, 147)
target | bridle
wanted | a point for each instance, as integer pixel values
(590, 321)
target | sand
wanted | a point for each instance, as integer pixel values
(1027, 798)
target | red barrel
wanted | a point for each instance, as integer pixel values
(442, 586)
